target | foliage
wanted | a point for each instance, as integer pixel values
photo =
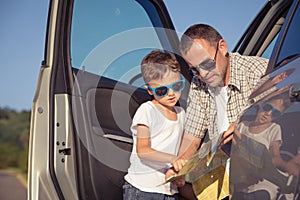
(14, 138)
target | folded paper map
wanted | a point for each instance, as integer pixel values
(206, 171)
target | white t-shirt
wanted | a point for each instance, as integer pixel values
(166, 137)
(221, 99)
(221, 103)
(266, 137)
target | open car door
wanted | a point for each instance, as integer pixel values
(89, 88)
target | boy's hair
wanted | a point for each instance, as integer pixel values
(285, 96)
(198, 31)
(156, 64)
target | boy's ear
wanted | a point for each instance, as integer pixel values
(149, 91)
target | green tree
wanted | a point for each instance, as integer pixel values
(14, 134)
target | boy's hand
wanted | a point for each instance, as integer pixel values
(179, 182)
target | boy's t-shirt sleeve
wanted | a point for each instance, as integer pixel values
(142, 116)
(275, 133)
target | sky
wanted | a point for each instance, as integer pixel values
(23, 26)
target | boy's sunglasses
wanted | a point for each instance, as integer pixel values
(162, 91)
(268, 107)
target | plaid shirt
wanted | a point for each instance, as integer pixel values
(201, 113)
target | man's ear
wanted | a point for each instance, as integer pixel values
(223, 45)
(149, 91)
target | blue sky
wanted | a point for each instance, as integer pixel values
(22, 37)
(22, 34)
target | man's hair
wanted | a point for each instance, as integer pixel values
(198, 31)
(156, 64)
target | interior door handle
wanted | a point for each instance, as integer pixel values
(118, 138)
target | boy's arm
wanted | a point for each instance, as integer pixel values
(144, 150)
(189, 146)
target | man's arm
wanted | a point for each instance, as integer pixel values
(189, 146)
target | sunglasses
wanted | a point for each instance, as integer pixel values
(162, 91)
(208, 64)
(268, 107)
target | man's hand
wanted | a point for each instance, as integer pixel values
(178, 164)
(228, 135)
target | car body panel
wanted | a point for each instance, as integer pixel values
(250, 158)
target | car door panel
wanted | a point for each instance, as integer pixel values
(104, 110)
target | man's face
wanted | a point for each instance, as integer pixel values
(208, 61)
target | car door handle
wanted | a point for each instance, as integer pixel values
(66, 151)
(118, 138)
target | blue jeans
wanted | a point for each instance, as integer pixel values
(132, 193)
(259, 194)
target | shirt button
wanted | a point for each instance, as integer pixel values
(251, 101)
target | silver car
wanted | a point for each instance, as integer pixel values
(90, 86)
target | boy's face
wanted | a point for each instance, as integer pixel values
(270, 111)
(173, 82)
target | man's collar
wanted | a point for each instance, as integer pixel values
(234, 83)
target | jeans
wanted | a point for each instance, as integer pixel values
(257, 195)
(132, 193)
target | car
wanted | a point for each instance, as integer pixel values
(90, 86)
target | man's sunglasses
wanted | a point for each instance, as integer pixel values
(268, 107)
(162, 91)
(208, 64)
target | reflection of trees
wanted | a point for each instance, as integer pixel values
(267, 85)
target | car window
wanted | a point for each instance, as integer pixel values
(268, 51)
(290, 45)
(98, 29)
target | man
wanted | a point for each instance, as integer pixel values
(221, 84)
(220, 87)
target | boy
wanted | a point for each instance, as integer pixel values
(157, 129)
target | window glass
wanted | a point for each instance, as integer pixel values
(268, 51)
(291, 45)
(110, 38)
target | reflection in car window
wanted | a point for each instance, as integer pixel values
(108, 38)
(264, 154)
(291, 45)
